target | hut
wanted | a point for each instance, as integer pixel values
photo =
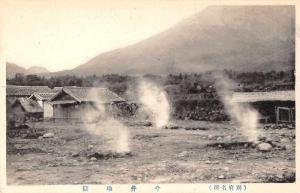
(74, 102)
(16, 91)
(24, 109)
(43, 100)
(274, 106)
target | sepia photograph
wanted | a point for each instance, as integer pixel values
(149, 93)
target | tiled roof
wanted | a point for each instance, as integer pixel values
(43, 96)
(288, 95)
(14, 90)
(94, 94)
(29, 105)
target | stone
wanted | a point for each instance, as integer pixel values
(228, 138)
(93, 159)
(48, 135)
(183, 154)
(284, 140)
(262, 138)
(210, 137)
(207, 162)
(219, 138)
(90, 146)
(264, 147)
(226, 169)
(221, 177)
(230, 162)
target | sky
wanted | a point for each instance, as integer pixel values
(62, 34)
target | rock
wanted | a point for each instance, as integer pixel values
(226, 169)
(219, 138)
(40, 137)
(75, 155)
(228, 138)
(221, 177)
(183, 154)
(284, 140)
(291, 127)
(264, 147)
(289, 176)
(210, 137)
(262, 138)
(48, 135)
(220, 146)
(90, 146)
(230, 162)
(207, 162)
(93, 159)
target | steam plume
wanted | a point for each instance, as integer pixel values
(101, 123)
(155, 102)
(242, 113)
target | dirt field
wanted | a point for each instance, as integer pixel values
(196, 152)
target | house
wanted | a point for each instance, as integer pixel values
(40, 94)
(43, 100)
(24, 109)
(16, 91)
(74, 102)
(274, 106)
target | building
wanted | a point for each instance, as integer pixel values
(16, 91)
(24, 109)
(43, 100)
(75, 102)
(274, 106)
(40, 94)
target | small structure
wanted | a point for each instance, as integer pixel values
(274, 106)
(24, 109)
(43, 100)
(75, 102)
(16, 91)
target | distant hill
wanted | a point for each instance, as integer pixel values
(12, 69)
(243, 38)
(37, 70)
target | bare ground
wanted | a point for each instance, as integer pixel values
(196, 152)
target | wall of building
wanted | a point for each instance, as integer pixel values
(48, 110)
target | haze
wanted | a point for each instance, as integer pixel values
(61, 35)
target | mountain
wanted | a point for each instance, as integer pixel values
(37, 70)
(242, 38)
(12, 69)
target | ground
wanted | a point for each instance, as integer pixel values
(196, 152)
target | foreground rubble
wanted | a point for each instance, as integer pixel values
(217, 153)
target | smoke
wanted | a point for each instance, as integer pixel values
(155, 102)
(242, 113)
(100, 122)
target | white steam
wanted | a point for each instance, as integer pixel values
(155, 102)
(101, 123)
(242, 113)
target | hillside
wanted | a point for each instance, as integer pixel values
(37, 70)
(243, 38)
(12, 69)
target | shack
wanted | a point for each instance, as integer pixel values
(273, 106)
(24, 109)
(43, 100)
(16, 91)
(75, 102)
